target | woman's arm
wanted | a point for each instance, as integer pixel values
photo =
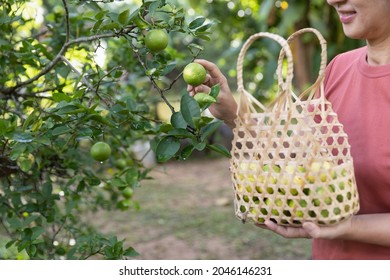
(367, 228)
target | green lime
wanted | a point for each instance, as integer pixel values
(124, 204)
(121, 163)
(100, 151)
(156, 40)
(127, 192)
(194, 74)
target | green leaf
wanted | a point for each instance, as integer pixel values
(178, 121)
(132, 177)
(202, 30)
(196, 23)
(209, 129)
(100, 119)
(130, 252)
(204, 120)
(101, 14)
(195, 49)
(203, 37)
(197, 122)
(123, 17)
(154, 6)
(15, 223)
(25, 163)
(36, 232)
(110, 26)
(18, 150)
(214, 92)
(23, 244)
(186, 152)
(131, 104)
(10, 244)
(31, 250)
(118, 183)
(60, 130)
(66, 109)
(200, 146)
(84, 132)
(189, 109)
(181, 133)
(97, 24)
(29, 220)
(167, 148)
(168, 69)
(219, 149)
(3, 126)
(165, 127)
(134, 14)
(59, 96)
(22, 137)
(92, 181)
(204, 100)
(47, 189)
(32, 117)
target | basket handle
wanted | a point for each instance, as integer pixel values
(244, 95)
(321, 73)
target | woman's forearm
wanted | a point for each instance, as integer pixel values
(370, 228)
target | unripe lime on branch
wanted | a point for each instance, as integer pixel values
(156, 40)
(127, 192)
(100, 151)
(194, 74)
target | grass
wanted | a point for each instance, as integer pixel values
(186, 212)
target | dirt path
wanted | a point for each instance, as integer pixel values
(186, 212)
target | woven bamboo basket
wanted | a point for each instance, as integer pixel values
(291, 159)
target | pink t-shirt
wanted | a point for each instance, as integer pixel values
(360, 95)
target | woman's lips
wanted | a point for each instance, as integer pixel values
(347, 17)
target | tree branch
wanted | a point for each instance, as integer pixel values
(161, 92)
(64, 48)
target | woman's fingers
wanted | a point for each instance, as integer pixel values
(286, 231)
(211, 68)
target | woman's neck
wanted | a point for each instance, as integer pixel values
(378, 53)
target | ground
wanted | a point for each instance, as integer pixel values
(186, 212)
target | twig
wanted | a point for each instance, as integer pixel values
(56, 232)
(85, 81)
(161, 92)
(92, 254)
(173, 82)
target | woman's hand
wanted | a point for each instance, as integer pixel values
(310, 230)
(226, 107)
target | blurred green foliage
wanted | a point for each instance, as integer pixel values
(240, 19)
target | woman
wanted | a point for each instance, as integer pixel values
(358, 85)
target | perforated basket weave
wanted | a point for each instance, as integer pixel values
(291, 160)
